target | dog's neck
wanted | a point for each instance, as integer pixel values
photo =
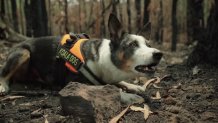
(104, 68)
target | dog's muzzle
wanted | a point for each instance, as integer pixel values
(150, 68)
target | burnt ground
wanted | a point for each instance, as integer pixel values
(188, 94)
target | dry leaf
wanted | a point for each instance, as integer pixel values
(135, 108)
(37, 113)
(157, 96)
(116, 118)
(146, 111)
(46, 120)
(156, 86)
(12, 98)
(177, 86)
(158, 80)
(166, 76)
(195, 70)
(148, 82)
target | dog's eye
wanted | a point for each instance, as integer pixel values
(148, 45)
(133, 44)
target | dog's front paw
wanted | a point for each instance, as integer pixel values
(128, 98)
(3, 88)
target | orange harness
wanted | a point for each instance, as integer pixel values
(71, 54)
(70, 51)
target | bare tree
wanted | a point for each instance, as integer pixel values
(146, 12)
(49, 17)
(14, 15)
(174, 26)
(2, 10)
(37, 22)
(120, 11)
(195, 19)
(28, 18)
(206, 50)
(114, 6)
(66, 16)
(22, 20)
(129, 16)
(80, 19)
(138, 13)
(103, 30)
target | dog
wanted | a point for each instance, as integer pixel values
(107, 61)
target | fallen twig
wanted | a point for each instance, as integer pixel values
(164, 77)
(12, 98)
(156, 86)
(148, 82)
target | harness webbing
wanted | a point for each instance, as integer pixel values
(70, 51)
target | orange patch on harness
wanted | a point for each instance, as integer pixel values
(75, 50)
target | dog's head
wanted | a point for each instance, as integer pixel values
(129, 52)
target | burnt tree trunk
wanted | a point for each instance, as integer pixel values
(28, 18)
(66, 16)
(41, 28)
(49, 17)
(114, 7)
(36, 17)
(129, 16)
(2, 10)
(160, 23)
(195, 19)
(146, 12)
(121, 11)
(206, 50)
(14, 15)
(174, 26)
(103, 30)
(138, 14)
(158, 30)
(80, 18)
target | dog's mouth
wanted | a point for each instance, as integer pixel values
(146, 68)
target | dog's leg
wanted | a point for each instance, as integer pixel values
(128, 98)
(13, 63)
(131, 87)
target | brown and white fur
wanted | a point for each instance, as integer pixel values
(123, 56)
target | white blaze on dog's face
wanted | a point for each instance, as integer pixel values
(144, 56)
(130, 52)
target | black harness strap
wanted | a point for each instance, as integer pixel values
(93, 75)
(64, 53)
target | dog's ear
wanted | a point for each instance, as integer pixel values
(145, 31)
(115, 28)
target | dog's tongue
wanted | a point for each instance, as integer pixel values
(144, 69)
(149, 68)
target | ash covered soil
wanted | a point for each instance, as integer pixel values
(188, 94)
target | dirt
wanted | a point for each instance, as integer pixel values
(188, 94)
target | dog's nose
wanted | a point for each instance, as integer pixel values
(157, 55)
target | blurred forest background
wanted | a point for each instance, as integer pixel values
(171, 21)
